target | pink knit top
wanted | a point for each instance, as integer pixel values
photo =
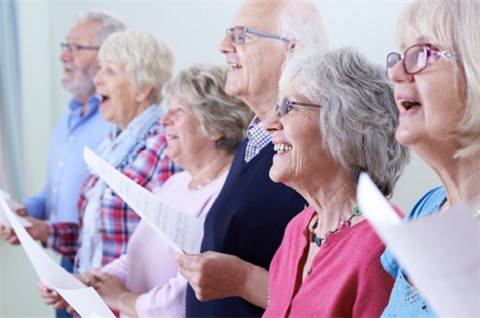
(346, 279)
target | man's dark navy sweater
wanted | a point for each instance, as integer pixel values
(247, 220)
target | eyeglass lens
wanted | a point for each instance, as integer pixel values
(415, 59)
(238, 35)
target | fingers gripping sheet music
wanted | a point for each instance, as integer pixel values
(183, 232)
(13, 205)
(85, 300)
(440, 253)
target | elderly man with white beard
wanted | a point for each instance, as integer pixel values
(79, 126)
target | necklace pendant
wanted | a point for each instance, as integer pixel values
(318, 241)
(343, 225)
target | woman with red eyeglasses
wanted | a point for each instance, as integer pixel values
(438, 94)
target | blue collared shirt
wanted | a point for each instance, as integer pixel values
(57, 201)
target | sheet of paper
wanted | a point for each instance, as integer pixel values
(13, 206)
(180, 230)
(440, 254)
(85, 301)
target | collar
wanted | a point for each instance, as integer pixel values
(92, 104)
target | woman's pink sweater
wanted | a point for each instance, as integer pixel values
(346, 279)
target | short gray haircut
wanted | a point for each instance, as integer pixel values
(359, 116)
(455, 25)
(300, 20)
(148, 60)
(201, 88)
(108, 22)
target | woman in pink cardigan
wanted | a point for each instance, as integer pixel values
(336, 117)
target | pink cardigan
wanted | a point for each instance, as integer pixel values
(347, 278)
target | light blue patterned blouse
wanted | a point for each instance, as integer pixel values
(406, 301)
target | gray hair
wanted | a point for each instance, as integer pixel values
(455, 25)
(202, 89)
(148, 60)
(108, 22)
(359, 116)
(300, 20)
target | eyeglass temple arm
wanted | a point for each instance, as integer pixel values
(266, 35)
(305, 104)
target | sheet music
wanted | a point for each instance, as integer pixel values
(13, 206)
(180, 230)
(441, 253)
(85, 300)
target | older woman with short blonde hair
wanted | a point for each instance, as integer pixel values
(437, 90)
(134, 67)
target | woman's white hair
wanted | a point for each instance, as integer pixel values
(300, 20)
(148, 60)
(455, 26)
(201, 88)
(108, 22)
(359, 116)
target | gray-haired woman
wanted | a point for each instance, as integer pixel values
(336, 117)
(204, 126)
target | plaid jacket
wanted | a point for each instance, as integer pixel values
(149, 167)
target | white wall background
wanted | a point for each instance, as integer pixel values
(194, 30)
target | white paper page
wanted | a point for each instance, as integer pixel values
(180, 230)
(13, 206)
(440, 254)
(55, 277)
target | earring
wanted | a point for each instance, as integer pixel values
(139, 99)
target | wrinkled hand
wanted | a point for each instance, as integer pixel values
(9, 235)
(213, 275)
(51, 297)
(109, 288)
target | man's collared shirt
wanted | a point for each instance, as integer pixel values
(57, 201)
(257, 138)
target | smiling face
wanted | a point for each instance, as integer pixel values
(80, 67)
(119, 105)
(186, 141)
(255, 66)
(431, 102)
(298, 140)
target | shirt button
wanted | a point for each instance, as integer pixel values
(309, 271)
(70, 138)
(54, 190)
(60, 163)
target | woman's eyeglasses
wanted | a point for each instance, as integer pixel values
(415, 58)
(285, 108)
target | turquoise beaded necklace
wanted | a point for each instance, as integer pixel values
(342, 225)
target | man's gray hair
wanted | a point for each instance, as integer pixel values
(359, 116)
(108, 22)
(300, 20)
(201, 88)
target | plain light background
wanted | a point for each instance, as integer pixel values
(194, 30)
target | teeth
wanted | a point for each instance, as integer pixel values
(234, 65)
(281, 148)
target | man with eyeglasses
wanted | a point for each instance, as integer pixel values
(79, 126)
(245, 225)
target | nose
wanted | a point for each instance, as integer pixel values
(165, 120)
(98, 79)
(273, 123)
(398, 74)
(66, 56)
(226, 45)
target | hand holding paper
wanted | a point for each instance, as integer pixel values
(13, 206)
(84, 300)
(440, 253)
